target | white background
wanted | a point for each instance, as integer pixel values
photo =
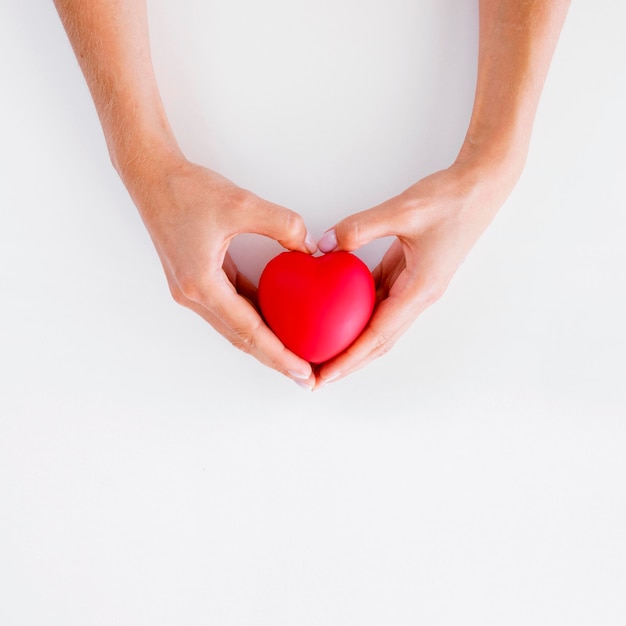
(152, 474)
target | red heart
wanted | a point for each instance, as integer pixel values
(317, 306)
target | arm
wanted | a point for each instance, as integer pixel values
(191, 213)
(438, 220)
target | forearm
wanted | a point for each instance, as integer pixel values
(191, 212)
(517, 41)
(111, 42)
(438, 220)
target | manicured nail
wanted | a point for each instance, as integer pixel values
(310, 244)
(303, 385)
(329, 379)
(328, 242)
(299, 375)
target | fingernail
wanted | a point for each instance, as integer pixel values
(303, 385)
(310, 244)
(328, 242)
(329, 379)
(299, 375)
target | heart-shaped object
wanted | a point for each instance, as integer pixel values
(317, 306)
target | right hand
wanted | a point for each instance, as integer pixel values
(192, 214)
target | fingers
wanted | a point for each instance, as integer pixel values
(397, 310)
(385, 327)
(391, 319)
(243, 285)
(236, 319)
(274, 221)
(384, 220)
(192, 220)
(386, 273)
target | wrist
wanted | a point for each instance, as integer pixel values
(136, 129)
(143, 153)
(133, 149)
(502, 158)
(145, 160)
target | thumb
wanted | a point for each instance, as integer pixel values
(356, 230)
(282, 224)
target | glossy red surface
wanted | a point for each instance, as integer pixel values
(317, 306)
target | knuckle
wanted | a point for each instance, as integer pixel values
(178, 296)
(350, 234)
(189, 289)
(243, 340)
(292, 226)
(408, 210)
(241, 199)
(384, 343)
(432, 293)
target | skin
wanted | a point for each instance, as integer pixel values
(438, 220)
(193, 213)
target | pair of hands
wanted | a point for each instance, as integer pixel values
(193, 213)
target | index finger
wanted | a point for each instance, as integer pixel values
(391, 319)
(242, 325)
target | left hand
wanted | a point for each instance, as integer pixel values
(436, 221)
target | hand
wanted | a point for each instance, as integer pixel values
(192, 214)
(436, 222)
